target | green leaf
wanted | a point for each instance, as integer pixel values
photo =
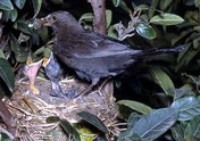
(11, 14)
(6, 5)
(2, 55)
(166, 19)
(19, 3)
(179, 93)
(162, 79)
(146, 31)
(137, 106)
(3, 92)
(164, 4)
(195, 79)
(108, 17)
(94, 120)
(197, 3)
(20, 52)
(57, 2)
(70, 129)
(151, 126)
(37, 6)
(129, 135)
(152, 9)
(188, 107)
(87, 17)
(192, 130)
(186, 56)
(124, 6)
(178, 132)
(7, 74)
(52, 119)
(4, 137)
(132, 119)
(116, 3)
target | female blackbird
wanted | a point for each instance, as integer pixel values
(91, 55)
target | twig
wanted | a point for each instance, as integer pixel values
(99, 20)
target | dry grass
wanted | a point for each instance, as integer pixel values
(30, 111)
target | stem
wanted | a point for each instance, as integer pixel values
(99, 20)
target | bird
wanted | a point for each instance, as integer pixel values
(30, 70)
(54, 71)
(93, 56)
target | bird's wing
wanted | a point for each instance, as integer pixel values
(92, 46)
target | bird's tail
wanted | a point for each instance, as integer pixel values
(160, 51)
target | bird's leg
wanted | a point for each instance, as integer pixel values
(88, 89)
(56, 90)
(103, 84)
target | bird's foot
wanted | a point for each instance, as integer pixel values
(33, 89)
(58, 94)
(71, 94)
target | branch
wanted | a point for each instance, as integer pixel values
(99, 20)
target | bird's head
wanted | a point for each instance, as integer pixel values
(61, 21)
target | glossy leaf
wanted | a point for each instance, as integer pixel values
(2, 55)
(178, 132)
(52, 119)
(68, 128)
(132, 119)
(4, 137)
(86, 17)
(108, 17)
(86, 134)
(193, 129)
(179, 93)
(3, 92)
(166, 19)
(7, 74)
(164, 4)
(129, 135)
(146, 31)
(37, 6)
(57, 1)
(162, 79)
(186, 56)
(19, 3)
(152, 9)
(116, 3)
(151, 126)
(94, 120)
(137, 106)
(20, 52)
(124, 6)
(197, 3)
(11, 14)
(188, 107)
(195, 79)
(6, 5)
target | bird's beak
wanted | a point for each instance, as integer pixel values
(45, 22)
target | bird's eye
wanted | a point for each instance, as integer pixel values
(54, 18)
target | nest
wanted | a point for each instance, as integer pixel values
(30, 111)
